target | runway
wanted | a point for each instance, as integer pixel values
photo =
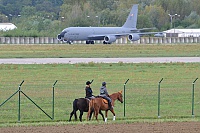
(99, 60)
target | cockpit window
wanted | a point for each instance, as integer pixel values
(63, 33)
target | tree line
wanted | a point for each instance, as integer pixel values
(50, 17)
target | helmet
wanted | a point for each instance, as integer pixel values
(88, 82)
(103, 83)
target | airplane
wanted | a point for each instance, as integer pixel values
(107, 34)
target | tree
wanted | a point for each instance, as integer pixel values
(195, 6)
(28, 11)
(102, 5)
(181, 7)
(157, 15)
(3, 18)
(144, 22)
(191, 21)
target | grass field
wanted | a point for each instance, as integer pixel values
(141, 89)
(97, 51)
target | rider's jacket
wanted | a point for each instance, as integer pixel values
(88, 91)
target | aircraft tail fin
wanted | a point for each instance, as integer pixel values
(131, 20)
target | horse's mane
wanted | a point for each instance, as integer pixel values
(120, 92)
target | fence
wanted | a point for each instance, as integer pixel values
(143, 40)
(142, 100)
(19, 91)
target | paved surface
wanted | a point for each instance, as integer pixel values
(99, 60)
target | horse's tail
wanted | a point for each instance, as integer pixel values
(75, 104)
(74, 109)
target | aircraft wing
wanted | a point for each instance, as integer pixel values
(94, 37)
(148, 33)
(108, 38)
(134, 36)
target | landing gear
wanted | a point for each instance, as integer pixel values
(66, 41)
(70, 42)
(106, 42)
(89, 42)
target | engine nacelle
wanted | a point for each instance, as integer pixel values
(110, 39)
(133, 37)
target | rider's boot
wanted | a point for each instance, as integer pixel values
(110, 105)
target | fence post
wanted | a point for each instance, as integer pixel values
(159, 98)
(53, 100)
(193, 84)
(125, 95)
(19, 102)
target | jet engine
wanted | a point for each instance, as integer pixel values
(109, 39)
(133, 37)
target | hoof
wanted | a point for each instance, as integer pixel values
(113, 118)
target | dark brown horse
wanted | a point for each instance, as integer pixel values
(98, 104)
(81, 104)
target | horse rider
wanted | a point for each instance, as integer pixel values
(104, 94)
(88, 90)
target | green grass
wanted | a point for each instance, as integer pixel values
(141, 90)
(98, 50)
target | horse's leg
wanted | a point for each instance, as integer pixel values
(106, 113)
(113, 112)
(80, 116)
(96, 111)
(71, 114)
(91, 114)
(102, 115)
(75, 108)
(75, 115)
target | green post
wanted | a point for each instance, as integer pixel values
(19, 99)
(193, 84)
(125, 96)
(159, 98)
(19, 102)
(53, 100)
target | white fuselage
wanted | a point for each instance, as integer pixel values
(96, 33)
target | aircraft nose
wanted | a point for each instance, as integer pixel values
(60, 36)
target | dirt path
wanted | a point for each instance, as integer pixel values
(165, 127)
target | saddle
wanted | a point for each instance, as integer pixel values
(88, 99)
(104, 100)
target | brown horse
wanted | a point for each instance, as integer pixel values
(99, 104)
(81, 104)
